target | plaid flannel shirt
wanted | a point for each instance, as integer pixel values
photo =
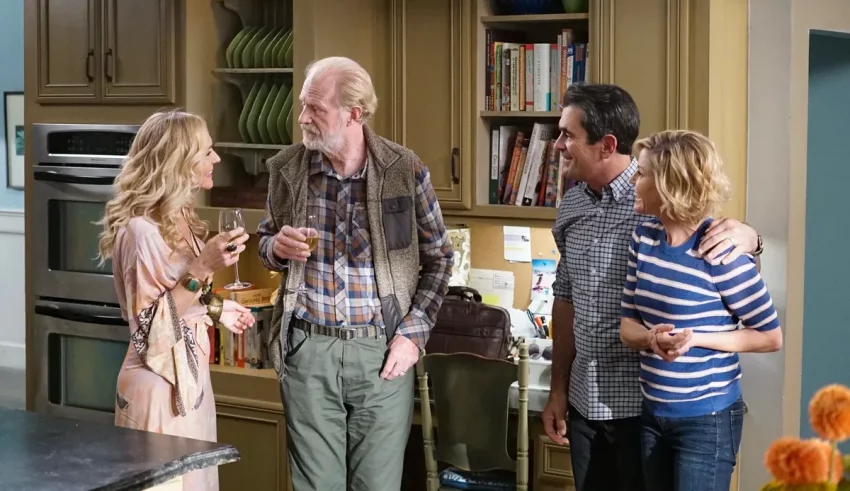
(340, 271)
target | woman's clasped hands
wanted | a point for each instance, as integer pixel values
(667, 344)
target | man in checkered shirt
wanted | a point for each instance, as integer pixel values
(343, 349)
(595, 397)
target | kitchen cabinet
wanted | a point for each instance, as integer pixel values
(106, 51)
(432, 94)
(249, 416)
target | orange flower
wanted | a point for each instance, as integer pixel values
(795, 461)
(829, 412)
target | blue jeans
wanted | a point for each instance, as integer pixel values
(605, 454)
(694, 453)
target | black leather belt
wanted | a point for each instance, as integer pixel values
(343, 333)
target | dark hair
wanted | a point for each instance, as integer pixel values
(607, 110)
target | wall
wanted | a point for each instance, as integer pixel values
(767, 210)
(12, 330)
(11, 80)
(826, 291)
(777, 206)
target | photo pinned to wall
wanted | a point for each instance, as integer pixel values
(13, 110)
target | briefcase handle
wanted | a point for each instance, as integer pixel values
(464, 293)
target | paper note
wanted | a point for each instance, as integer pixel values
(518, 244)
(495, 287)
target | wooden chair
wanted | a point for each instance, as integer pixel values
(471, 394)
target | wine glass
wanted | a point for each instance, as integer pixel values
(312, 240)
(229, 220)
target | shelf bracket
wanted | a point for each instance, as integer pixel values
(253, 158)
(256, 13)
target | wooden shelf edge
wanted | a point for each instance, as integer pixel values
(252, 218)
(249, 146)
(252, 71)
(520, 114)
(268, 373)
(513, 19)
(505, 213)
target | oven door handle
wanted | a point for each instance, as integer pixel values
(59, 313)
(49, 175)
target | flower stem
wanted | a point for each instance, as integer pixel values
(832, 459)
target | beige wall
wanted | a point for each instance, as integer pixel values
(776, 205)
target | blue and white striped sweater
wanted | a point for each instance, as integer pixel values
(675, 285)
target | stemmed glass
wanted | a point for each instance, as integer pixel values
(230, 220)
(312, 234)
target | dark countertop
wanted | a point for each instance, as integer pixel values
(49, 453)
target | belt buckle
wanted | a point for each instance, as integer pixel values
(346, 334)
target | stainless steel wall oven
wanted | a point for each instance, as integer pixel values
(78, 331)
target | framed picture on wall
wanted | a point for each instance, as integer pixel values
(13, 110)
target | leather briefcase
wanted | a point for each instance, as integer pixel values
(465, 325)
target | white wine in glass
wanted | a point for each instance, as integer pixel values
(312, 241)
(230, 220)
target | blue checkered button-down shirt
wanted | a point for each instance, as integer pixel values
(592, 234)
(340, 272)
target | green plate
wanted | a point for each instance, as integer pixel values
(263, 121)
(289, 56)
(289, 123)
(237, 52)
(251, 46)
(268, 54)
(254, 115)
(274, 114)
(246, 109)
(283, 117)
(281, 54)
(260, 49)
(233, 44)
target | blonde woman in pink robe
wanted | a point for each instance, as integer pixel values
(163, 272)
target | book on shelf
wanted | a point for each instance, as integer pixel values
(245, 350)
(525, 167)
(522, 76)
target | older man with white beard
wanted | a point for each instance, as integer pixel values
(344, 344)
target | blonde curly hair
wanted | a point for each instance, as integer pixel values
(688, 174)
(158, 180)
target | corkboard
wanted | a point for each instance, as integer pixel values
(488, 252)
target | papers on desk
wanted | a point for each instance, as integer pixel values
(495, 287)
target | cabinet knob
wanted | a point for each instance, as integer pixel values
(455, 170)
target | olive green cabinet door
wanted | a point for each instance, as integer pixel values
(67, 55)
(138, 51)
(260, 437)
(432, 97)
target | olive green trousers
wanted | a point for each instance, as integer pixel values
(347, 428)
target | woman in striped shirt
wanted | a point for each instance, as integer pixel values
(682, 313)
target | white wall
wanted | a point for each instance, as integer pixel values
(12, 304)
(768, 166)
(776, 205)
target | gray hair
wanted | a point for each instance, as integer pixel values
(352, 83)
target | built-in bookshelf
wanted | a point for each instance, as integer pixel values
(524, 65)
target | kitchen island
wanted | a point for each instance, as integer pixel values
(50, 453)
